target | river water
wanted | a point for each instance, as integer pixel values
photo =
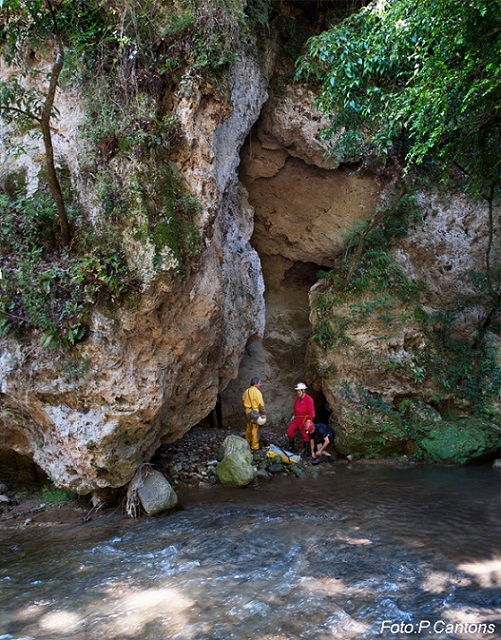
(363, 551)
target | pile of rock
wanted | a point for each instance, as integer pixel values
(4, 498)
(194, 460)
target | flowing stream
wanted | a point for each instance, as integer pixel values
(363, 551)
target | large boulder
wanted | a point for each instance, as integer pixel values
(151, 369)
(235, 444)
(407, 363)
(156, 493)
(460, 441)
(379, 432)
(235, 469)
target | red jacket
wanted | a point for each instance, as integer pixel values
(304, 409)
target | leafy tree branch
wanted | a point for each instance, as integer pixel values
(45, 118)
(420, 79)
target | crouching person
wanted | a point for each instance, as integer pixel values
(321, 436)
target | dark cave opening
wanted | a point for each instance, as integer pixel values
(302, 275)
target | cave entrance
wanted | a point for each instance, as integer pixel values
(302, 275)
(303, 205)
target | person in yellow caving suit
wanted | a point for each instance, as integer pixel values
(252, 399)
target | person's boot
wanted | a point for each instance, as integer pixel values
(306, 450)
(291, 446)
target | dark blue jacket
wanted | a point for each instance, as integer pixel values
(321, 432)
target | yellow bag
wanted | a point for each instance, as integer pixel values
(285, 456)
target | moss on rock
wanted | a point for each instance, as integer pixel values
(235, 468)
(458, 442)
(421, 434)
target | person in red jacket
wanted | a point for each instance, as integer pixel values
(304, 411)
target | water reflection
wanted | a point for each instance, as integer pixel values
(360, 552)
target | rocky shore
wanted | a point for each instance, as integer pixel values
(192, 461)
(188, 463)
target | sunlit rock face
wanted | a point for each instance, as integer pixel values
(150, 370)
(275, 210)
(305, 207)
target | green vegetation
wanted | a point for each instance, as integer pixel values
(126, 59)
(53, 495)
(373, 271)
(164, 213)
(22, 105)
(374, 428)
(416, 82)
(377, 295)
(48, 287)
(458, 442)
(414, 88)
(457, 366)
(449, 375)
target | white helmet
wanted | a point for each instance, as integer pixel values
(300, 385)
(261, 420)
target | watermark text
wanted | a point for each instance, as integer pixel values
(438, 627)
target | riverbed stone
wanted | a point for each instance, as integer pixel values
(276, 467)
(298, 470)
(262, 474)
(235, 468)
(156, 493)
(235, 471)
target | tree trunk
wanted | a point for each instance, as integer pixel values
(54, 184)
(490, 204)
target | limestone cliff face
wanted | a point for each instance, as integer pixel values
(399, 375)
(304, 206)
(388, 357)
(148, 372)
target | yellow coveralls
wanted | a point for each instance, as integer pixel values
(252, 398)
